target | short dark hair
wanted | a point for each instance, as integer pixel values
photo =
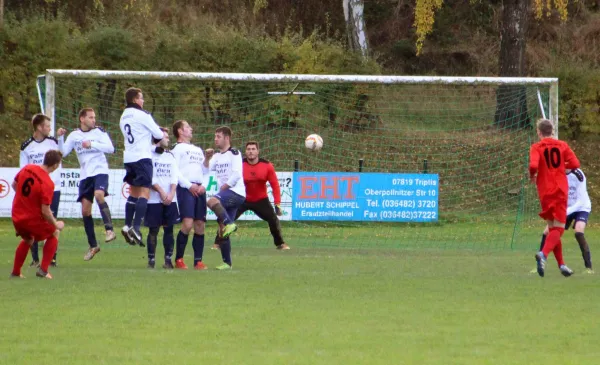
(546, 127)
(38, 119)
(156, 140)
(252, 143)
(131, 94)
(225, 130)
(52, 157)
(83, 112)
(178, 125)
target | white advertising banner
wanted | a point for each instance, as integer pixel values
(119, 191)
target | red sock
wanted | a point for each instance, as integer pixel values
(558, 254)
(49, 250)
(552, 240)
(20, 257)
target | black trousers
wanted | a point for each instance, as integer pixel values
(264, 210)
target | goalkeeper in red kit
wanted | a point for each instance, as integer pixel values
(548, 160)
(257, 172)
(31, 214)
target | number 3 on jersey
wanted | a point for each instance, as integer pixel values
(130, 138)
(552, 157)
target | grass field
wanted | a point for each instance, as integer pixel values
(309, 305)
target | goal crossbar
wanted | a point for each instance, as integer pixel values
(51, 74)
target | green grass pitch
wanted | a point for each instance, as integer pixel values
(309, 305)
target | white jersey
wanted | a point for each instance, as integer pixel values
(190, 161)
(579, 200)
(164, 173)
(228, 168)
(92, 160)
(33, 152)
(138, 129)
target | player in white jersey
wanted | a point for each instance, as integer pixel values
(579, 207)
(138, 128)
(227, 164)
(162, 205)
(191, 195)
(90, 144)
(32, 152)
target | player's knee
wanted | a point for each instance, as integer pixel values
(56, 233)
(99, 196)
(212, 202)
(199, 227)
(186, 225)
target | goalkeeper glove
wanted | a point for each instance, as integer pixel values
(278, 210)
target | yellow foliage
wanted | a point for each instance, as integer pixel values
(546, 6)
(259, 5)
(424, 19)
(425, 15)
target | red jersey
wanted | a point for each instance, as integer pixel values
(549, 158)
(255, 179)
(34, 189)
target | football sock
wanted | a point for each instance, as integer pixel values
(49, 251)
(140, 212)
(543, 241)
(168, 242)
(221, 213)
(182, 239)
(130, 210)
(20, 257)
(225, 247)
(35, 253)
(88, 225)
(106, 217)
(151, 242)
(552, 240)
(198, 245)
(585, 249)
(558, 254)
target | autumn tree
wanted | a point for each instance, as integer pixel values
(511, 100)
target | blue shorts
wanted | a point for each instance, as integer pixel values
(139, 173)
(576, 217)
(89, 185)
(231, 201)
(191, 206)
(54, 204)
(158, 215)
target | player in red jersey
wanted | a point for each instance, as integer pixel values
(257, 172)
(31, 214)
(548, 159)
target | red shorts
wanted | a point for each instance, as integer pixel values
(39, 230)
(554, 208)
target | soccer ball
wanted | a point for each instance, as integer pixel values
(313, 142)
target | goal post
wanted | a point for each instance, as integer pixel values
(389, 125)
